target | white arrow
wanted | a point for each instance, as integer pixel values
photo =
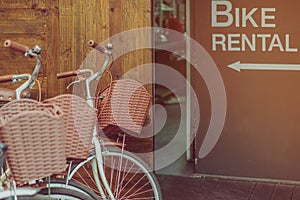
(238, 66)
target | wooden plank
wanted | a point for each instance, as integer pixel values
(91, 9)
(282, 192)
(38, 4)
(79, 32)
(103, 19)
(66, 8)
(262, 191)
(66, 40)
(22, 4)
(15, 4)
(116, 20)
(22, 14)
(52, 51)
(36, 27)
(90, 24)
(141, 56)
(25, 65)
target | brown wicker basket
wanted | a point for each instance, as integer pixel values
(79, 120)
(123, 106)
(32, 131)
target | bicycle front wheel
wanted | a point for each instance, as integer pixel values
(64, 194)
(128, 176)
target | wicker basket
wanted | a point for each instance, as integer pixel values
(32, 131)
(123, 106)
(79, 120)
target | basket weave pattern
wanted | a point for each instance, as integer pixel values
(79, 120)
(124, 104)
(32, 131)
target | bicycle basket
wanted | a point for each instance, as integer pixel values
(36, 145)
(123, 106)
(79, 120)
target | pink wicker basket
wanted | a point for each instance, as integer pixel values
(79, 120)
(123, 105)
(32, 131)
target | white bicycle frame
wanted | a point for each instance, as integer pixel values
(98, 164)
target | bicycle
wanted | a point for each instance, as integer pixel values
(12, 190)
(36, 193)
(122, 174)
(113, 173)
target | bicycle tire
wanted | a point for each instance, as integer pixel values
(64, 194)
(35, 197)
(133, 181)
(72, 185)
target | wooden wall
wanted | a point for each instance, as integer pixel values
(30, 23)
(81, 21)
(63, 28)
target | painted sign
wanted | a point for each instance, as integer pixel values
(222, 15)
(255, 45)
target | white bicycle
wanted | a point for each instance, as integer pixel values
(111, 172)
(16, 179)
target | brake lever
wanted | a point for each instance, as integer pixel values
(72, 83)
(80, 79)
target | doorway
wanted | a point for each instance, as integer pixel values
(171, 93)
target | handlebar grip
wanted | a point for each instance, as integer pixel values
(16, 46)
(96, 46)
(6, 78)
(66, 74)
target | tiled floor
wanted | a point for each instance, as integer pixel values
(178, 181)
(188, 188)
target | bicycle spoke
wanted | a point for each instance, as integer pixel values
(133, 185)
(143, 192)
(123, 177)
(128, 177)
(91, 184)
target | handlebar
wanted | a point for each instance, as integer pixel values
(14, 77)
(73, 73)
(96, 46)
(66, 74)
(16, 46)
(6, 78)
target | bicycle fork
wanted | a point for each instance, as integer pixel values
(99, 160)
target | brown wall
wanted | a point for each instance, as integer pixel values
(261, 137)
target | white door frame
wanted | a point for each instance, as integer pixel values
(189, 155)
